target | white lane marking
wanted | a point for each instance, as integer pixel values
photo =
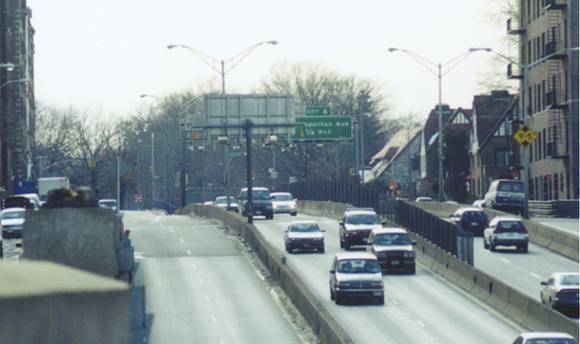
(188, 252)
(171, 230)
(535, 275)
(181, 239)
(505, 261)
(206, 298)
(193, 266)
(213, 319)
(420, 323)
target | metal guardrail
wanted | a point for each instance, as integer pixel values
(442, 233)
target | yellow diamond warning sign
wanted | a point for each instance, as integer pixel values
(525, 136)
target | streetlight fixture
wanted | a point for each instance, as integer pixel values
(9, 66)
(449, 65)
(19, 81)
(222, 71)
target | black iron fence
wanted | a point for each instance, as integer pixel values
(442, 233)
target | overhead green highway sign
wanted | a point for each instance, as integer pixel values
(323, 128)
(317, 111)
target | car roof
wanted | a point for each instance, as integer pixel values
(469, 209)
(107, 200)
(360, 212)
(256, 188)
(389, 230)
(280, 193)
(560, 274)
(302, 222)
(13, 210)
(355, 255)
(505, 218)
(539, 335)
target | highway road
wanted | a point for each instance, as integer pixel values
(523, 271)
(199, 287)
(418, 309)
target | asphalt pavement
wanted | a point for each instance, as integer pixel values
(199, 288)
(421, 308)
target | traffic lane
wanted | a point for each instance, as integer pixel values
(523, 271)
(418, 308)
(210, 296)
(563, 224)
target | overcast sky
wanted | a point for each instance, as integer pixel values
(103, 54)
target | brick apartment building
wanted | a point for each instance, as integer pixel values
(548, 40)
(494, 154)
(17, 110)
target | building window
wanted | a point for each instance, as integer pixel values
(501, 157)
(562, 183)
(556, 194)
(543, 94)
(549, 187)
(543, 47)
(539, 139)
(537, 187)
(545, 180)
(529, 8)
(544, 143)
(531, 184)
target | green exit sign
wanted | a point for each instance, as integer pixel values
(323, 128)
(317, 111)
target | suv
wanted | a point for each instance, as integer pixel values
(262, 202)
(356, 226)
(506, 231)
(393, 249)
(356, 275)
(473, 220)
(505, 194)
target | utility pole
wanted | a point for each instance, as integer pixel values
(152, 167)
(440, 140)
(118, 182)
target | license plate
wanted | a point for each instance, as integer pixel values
(376, 293)
(258, 212)
(395, 262)
(474, 223)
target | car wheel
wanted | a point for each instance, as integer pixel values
(525, 248)
(347, 246)
(293, 214)
(289, 249)
(341, 243)
(270, 217)
(485, 245)
(542, 298)
(321, 250)
(550, 302)
(331, 295)
(412, 270)
(492, 247)
(338, 299)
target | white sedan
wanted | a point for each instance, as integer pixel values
(506, 231)
(560, 291)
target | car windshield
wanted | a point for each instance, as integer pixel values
(108, 204)
(222, 200)
(257, 194)
(392, 239)
(282, 197)
(362, 266)
(474, 215)
(304, 227)
(362, 219)
(510, 226)
(551, 341)
(511, 186)
(13, 215)
(570, 280)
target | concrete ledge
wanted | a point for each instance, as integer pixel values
(48, 303)
(322, 323)
(84, 238)
(519, 307)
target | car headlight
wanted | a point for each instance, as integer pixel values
(410, 254)
(292, 205)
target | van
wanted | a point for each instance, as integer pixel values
(505, 194)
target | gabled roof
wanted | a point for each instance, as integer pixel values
(490, 110)
(499, 120)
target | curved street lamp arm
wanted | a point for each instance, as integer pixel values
(239, 57)
(208, 60)
(14, 82)
(428, 64)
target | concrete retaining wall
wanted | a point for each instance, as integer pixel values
(560, 242)
(313, 311)
(51, 304)
(84, 238)
(519, 307)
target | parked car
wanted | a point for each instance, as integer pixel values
(208, 203)
(304, 235)
(545, 338)
(221, 201)
(21, 201)
(393, 249)
(560, 292)
(423, 199)
(12, 221)
(473, 220)
(356, 275)
(284, 203)
(356, 226)
(506, 231)
(261, 201)
(506, 195)
(108, 204)
(480, 203)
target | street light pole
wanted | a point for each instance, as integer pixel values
(429, 65)
(152, 167)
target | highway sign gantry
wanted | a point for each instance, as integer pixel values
(525, 136)
(317, 111)
(323, 128)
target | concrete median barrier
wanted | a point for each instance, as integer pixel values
(322, 323)
(520, 308)
(83, 238)
(48, 303)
